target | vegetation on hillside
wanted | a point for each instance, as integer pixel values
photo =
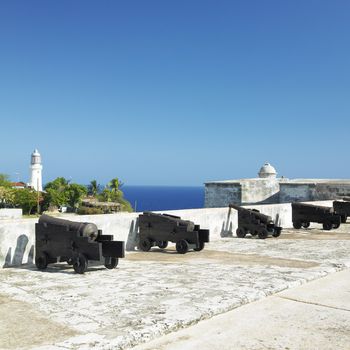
(113, 193)
(25, 198)
(61, 192)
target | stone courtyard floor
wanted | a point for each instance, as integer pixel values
(153, 294)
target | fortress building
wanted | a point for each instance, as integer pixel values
(36, 181)
(268, 189)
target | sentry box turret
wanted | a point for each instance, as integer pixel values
(159, 229)
(253, 222)
(303, 214)
(76, 243)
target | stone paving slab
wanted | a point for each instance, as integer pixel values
(332, 291)
(307, 317)
(22, 324)
(151, 294)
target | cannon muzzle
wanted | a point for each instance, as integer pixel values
(234, 206)
(85, 229)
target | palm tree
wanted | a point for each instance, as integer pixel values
(114, 186)
(93, 188)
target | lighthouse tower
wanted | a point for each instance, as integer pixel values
(35, 171)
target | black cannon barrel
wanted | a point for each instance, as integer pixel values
(264, 218)
(305, 206)
(171, 218)
(83, 228)
(234, 206)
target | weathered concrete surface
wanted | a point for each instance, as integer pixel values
(312, 316)
(151, 294)
(21, 324)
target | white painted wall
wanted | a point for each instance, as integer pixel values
(10, 213)
(17, 237)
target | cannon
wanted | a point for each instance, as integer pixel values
(253, 222)
(76, 243)
(303, 214)
(159, 229)
(342, 209)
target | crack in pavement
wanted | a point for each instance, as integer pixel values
(312, 303)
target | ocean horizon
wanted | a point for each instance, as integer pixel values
(156, 198)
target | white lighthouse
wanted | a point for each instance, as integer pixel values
(35, 171)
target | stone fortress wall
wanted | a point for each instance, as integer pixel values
(268, 189)
(17, 236)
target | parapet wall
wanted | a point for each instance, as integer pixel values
(246, 191)
(273, 190)
(17, 237)
(296, 192)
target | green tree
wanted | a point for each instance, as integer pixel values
(93, 188)
(61, 192)
(125, 205)
(56, 193)
(5, 180)
(113, 193)
(59, 184)
(26, 199)
(7, 196)
(105, 195)
(55, 198)
(114, 186)
(75, 193)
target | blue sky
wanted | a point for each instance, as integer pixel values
(175, 92)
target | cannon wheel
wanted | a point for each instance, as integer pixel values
(336, 225)
(80, 264)
(182, 246)
(200, 246)
(145, 244)
(240, 232)
(327, 225)
(305, 224)
(41, 261)
(263, 234)
(111, 263)
(276, 233)
(162, 244)
(344, 218)
(297, 225)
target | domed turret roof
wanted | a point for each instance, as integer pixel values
(267, 170)
(36, 152)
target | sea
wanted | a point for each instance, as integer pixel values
(153, 198)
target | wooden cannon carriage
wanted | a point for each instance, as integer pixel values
(75, 243)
